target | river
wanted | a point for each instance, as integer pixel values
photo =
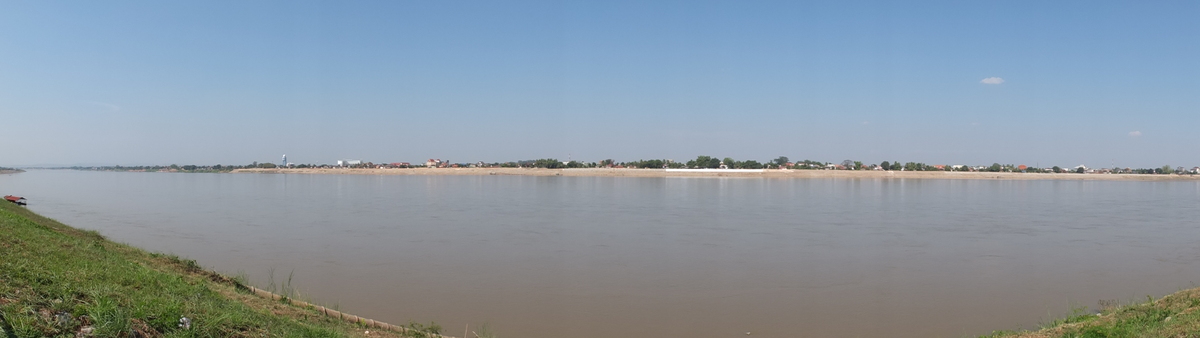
(539, 257)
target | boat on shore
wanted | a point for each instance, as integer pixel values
(18, 200)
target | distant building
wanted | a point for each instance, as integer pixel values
(347, 163)
(284, 163)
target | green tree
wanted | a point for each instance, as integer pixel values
(1166, 169)
(994, 168)
(1079, 170)
(1056, 169)
(549, 163)
(648, 163)
(781, 161)
(885, 165)
(704, 162)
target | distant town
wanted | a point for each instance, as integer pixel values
(700, 162)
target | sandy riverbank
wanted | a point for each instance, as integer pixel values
(764, 173)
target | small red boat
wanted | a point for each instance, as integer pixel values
(18, 200)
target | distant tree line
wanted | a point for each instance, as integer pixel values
(550, 163)
(700, 162)
(216, 168)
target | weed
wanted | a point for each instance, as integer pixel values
(1078, 314)
(271, 280)
(416, 330)
(485, 331)
(288, 290)
(241, 278)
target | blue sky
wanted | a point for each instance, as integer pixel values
(1084, 82)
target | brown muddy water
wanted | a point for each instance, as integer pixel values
(585, 257)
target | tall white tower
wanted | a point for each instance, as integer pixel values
(284, 164)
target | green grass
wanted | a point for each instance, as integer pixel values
(58, 281)
(1176, 315)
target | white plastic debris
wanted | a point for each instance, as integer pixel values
(185, 323)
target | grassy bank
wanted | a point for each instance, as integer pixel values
(1176, 315)
(58, 281)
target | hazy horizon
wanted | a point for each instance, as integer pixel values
(145, 83)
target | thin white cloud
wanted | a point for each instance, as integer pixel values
(1135, 133)
(992, 80)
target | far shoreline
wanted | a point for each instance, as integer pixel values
(766, 173)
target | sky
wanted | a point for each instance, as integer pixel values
(958, 82)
